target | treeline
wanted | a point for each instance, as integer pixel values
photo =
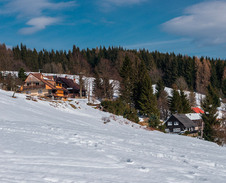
(197, 73)
(136, 71)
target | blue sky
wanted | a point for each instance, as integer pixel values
(194, 27)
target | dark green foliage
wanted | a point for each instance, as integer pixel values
(159, 87)
(170, 66)
(21, 74)
(209, 106)
(147, 100)
(175, 102)
(127, 83)
(153, 121)
(185, 105)
(143, 97)
(119, 107)
(178, 103)
(224, 87)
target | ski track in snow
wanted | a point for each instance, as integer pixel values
(42, 143)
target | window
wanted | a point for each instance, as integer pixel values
(167, 130)
(176, 123)
(28, 92)
(176, 130)
(169, 123)
(39, 91)
(37, 84)
(28, 84)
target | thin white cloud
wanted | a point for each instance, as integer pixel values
(205, 23)
(37, 13)
(32, 8)
(123, 2)
(37, 24)
(107, 5)
(155, 43)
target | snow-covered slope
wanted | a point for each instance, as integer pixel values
(53, 142)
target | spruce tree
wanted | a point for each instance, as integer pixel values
(21, 74)
(209, 116)
(153, 121)
(175, 102)
(159, 87)
(127, 83)
(147, 100)
(185, 105)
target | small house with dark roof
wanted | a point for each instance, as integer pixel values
(40, 85)
(72, 87)
(178, 123)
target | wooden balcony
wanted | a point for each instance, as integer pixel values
(33, 87)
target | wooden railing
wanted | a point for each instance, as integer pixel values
(33, 87)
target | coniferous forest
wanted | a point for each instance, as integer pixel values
(190, 73)
(137, 71)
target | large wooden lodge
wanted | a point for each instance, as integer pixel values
(36, 84)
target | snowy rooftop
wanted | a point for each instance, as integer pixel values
(194, 116)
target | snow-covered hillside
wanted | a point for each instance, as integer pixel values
(54, 142)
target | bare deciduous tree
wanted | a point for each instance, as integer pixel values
(181, 83)
(155, 75)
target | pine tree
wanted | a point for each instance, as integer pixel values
(147, 100)
(209, 117)
(21, 74)
(153, 121)
(159, 87)
(127, 83)
(175, 102)
(185, 105)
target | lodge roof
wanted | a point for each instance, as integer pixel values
(184, 120)
(40, 77)
(69, 83)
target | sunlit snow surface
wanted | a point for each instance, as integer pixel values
(50, 142)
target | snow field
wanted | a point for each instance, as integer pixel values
(44, 142)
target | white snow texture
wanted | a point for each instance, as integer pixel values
(45, 142)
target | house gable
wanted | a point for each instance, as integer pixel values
(32, 78)
(174, 125)
(179, 122)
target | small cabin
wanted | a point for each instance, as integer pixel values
(178, 123)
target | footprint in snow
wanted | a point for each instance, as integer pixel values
(129, 161)
(144, 169)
